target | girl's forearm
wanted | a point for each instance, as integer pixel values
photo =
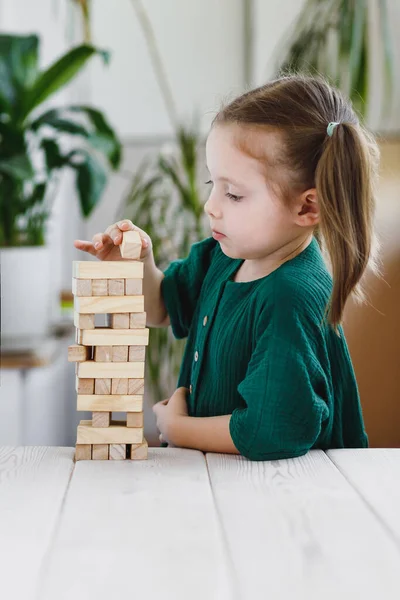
(154, 306)
(209, 434)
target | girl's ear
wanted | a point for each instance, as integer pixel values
(306, 209)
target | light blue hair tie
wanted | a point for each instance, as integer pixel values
(331, 127)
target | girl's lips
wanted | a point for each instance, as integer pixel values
(217, 235)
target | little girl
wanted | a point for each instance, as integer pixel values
(266, 371)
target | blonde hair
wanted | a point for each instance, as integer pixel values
(342, 167)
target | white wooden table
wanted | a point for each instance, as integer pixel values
(182, 525)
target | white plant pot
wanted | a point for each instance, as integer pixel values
(25, 296)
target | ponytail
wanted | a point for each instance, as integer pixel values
(345, 180)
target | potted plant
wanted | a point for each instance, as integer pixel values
(36, 146)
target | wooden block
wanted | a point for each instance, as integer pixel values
(111, 402)
(137, 353)
(134, 419)
(103, 419)
(116, 287)
(108, 304)
(100, 452)
(103, 353)
(133, 287)
(84, 321)
(119, 386)
(83, 452)
(115, 434)
(82, 287)
(99, 287)
(102, 386)
(110, 269)
(117, 452)
(139, 451)
(131, 246)
(106, 336)
(78, 353)
(91, 368)
(120, 353)
(120, 321)
(137, 320)
(136, 386)
(84, 385)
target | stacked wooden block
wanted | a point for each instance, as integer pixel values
(110, 360)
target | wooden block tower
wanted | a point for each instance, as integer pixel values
(110, 361)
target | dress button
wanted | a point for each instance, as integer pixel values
(205, 321)
(196, 356)
(191, 388)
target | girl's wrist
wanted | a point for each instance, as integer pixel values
(175, 428)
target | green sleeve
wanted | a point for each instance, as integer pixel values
(182, 283)
(283, 390)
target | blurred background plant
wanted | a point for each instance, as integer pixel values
(35, 146)
(84, 6)
(333, 37)
(166, 199)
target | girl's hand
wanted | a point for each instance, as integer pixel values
(106, 246)
(168, 413)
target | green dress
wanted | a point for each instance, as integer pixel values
(262, 352)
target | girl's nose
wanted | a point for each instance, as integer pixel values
(211, 208)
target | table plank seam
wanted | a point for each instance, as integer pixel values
(231, 566)
(371, 509)
(45, 561)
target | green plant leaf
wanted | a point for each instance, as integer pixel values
(170, 168)
(388, 54)
(98, 133)
(7, 89)
(18, 68)
(58, 75)
(21, 56)
(359, 90)
(54, 118)
(53, 156)
(358, 42)
(18, 167)
(104, 137)
(37, 196)
(12, 140)
(91, 179)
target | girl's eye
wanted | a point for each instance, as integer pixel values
(208, 182)
(233, 197)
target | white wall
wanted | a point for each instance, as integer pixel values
(271, 20)
(201, 45)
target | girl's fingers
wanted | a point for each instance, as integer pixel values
(85, 246)
(115, 230)
(99, 243)
(100, 240)
(158, 404)
(126, 225)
